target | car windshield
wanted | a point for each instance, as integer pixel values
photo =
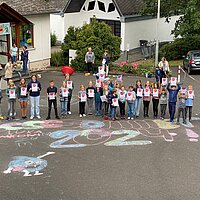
(197, 55)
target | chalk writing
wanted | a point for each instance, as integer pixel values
(28, 165)
(92, 124)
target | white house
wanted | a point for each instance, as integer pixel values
(122, 15)
(29, 23)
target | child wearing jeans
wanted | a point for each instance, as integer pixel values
(23, 98)
(163, 103)
(90, 97)
(63, 93)
(181, 106)
(138, 100)
(98, 101)
(52, 99)
(189, 102)
(173, 92)
(131, 96)
(82, 96)
(122, 101)
(11, 92)
(114, 104)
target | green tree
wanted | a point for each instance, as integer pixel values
(97, 35)
(188, 24)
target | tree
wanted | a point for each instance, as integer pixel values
(97, 35)
(187, 25)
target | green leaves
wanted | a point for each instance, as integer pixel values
(188, 24)
(97, 35)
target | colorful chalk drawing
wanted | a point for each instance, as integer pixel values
(192, 136)
(30, 125)
(97, 132)
(28, 165)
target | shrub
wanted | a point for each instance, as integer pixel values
(97, 35)
(180, 47)
(137, 69)
(57, 59)
(53, 39)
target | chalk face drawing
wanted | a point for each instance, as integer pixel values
(28, 165)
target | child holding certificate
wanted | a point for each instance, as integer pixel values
(11, 92)
(122, 101)
(90, 97)
(34, 88)
(63, 99)
(189, 102)
(52, 99)
(23, 98)
(82, 96)
(155, 99)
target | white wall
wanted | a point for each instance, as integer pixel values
(57, 26)
(42, 46)
(80, 18)
(132, 32)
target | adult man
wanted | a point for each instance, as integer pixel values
(89, 59)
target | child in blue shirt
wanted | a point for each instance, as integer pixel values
(189, 102)
(98, 94)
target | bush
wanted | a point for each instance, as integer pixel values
(53, 39)
(57, 59)
(136, 69)
(180, 47)
(97, 35)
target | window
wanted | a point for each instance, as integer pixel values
(101, 6)
(91, 5)
(26, 35)
(111, 7)
(84, 8)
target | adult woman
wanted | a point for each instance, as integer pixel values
(23, 98)
(34, 88)
(164, 65)
(14, 53)
(8, 70)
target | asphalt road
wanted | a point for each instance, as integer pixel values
(93, 159)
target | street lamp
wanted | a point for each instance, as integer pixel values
(157, 35)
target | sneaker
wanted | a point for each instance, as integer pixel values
(176, 123)
(48, 118)
(132, 118)
(10, 114)
(69, 112)
(1, 117)
(88, 74)
(184, 122)
(129, 118)
(57, 117)
(31, 118)
(81, 116)
(84, 115)
(15, 113)
(38, 117)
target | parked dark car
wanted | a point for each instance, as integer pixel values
(191, 61)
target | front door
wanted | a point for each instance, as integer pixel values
(4, 48)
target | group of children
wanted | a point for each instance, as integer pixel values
(110, 99)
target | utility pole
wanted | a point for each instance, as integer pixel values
(157, 34)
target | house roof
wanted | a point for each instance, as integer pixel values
(124, 7)
(33, 7)
(7, 14)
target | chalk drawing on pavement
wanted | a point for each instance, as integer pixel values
(91, 124)
(28, 165)
(192, 136)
